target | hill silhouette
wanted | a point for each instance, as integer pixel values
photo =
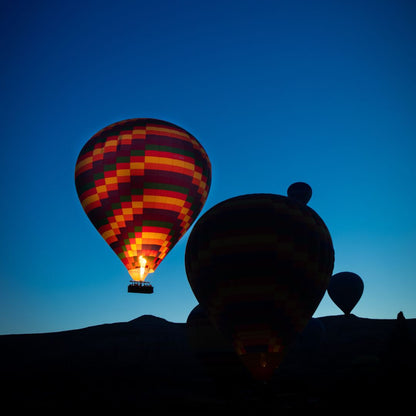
(147, 363)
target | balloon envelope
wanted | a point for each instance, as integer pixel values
(259, 265)
(313, 334)
(345, 290)
(214, 351)
(300, 191)
(142, 182)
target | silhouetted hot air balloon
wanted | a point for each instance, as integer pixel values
(300, 191)
(312, 335)
(214, 351)
(259, 265)
(345, 290)
(142, 183)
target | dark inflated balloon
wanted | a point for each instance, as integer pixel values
(259, 265)
(313, 335)
(300, 191)
(216, 353)
(345, 290)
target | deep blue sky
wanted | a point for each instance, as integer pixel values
(277, 92)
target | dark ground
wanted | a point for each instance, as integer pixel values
(147, 364)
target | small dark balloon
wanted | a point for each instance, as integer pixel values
(345, 290)
(300, 191)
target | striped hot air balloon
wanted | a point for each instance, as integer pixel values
(142, 182)
(259, 265)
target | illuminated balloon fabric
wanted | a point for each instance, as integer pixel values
(259, 265)
(345, 290)
(213, 350)
(142, 182)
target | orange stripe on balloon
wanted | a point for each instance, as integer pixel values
(169, 168)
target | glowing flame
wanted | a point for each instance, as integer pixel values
(142, 262)
(140, 273)
(263, 360)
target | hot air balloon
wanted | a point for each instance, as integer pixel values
(259, 265)
(142, 182)
(345, 290)
(300, 191)
(312, 335)
(214, 351)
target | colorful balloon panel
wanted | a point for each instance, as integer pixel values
(142, 182)
(259, 265)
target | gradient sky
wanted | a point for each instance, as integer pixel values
(277, 92)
